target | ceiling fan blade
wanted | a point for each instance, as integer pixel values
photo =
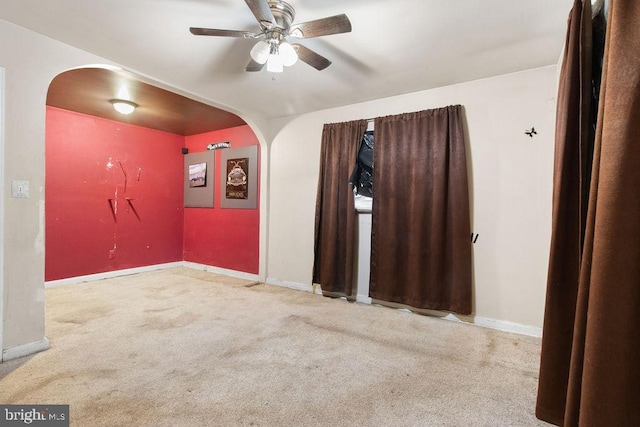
(316, 60)
(222, 33)
(321, 27)
(262, 12)
(254, 66)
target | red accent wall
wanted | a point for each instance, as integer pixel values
(97, 219)
(226, 238)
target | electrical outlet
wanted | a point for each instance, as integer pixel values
(20, 189)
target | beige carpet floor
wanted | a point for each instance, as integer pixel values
(182, 347)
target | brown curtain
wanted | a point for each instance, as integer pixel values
(420, 240)
(603, 385)
(570, 195)
(335, 221)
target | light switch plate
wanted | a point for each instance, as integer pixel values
(20, 189)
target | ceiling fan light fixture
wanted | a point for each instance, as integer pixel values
(123, 106)
(260, 52)
(274, 63)
(288, 54)
(276, 21)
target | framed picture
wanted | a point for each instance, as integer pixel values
(199, 170)
(239, 178)
(198, 175)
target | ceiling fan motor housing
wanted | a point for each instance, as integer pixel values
(283, 14)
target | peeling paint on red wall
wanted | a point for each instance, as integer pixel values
(113, 195)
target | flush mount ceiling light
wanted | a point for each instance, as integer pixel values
(123, 106)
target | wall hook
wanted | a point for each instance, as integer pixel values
(531, 132)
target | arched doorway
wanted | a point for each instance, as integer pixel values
(100, 180)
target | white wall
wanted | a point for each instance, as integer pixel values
(510, 180)
(30, 62)
(1, 209)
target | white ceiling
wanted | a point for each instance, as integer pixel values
(396, 46)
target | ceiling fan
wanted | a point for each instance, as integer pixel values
(276, 24)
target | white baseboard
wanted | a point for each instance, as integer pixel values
(363, 299)
(501, 325)
(136, 270)
(220, 270)
(110, 274)
(25, 350)
(290, 285)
